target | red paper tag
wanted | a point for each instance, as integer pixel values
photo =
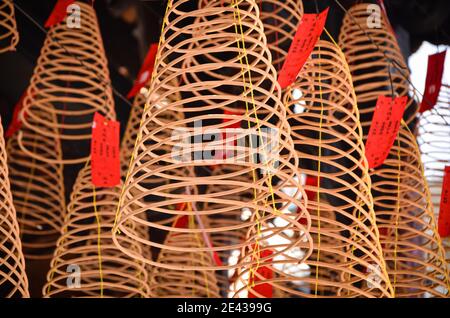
(384, 129)
(311, 181)
(444, 210)
(308, 32)
(146, 70)
(264, 289)
(433, 82)
(59, 12)
(105, 170)
(15, 124)
(181, 221)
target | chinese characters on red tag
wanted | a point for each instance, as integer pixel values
(145, 72)
(433, 81)
(105, 162)
(444, 210)
(384, 129)
(308, 32)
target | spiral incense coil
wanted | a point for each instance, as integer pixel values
(347, 259)
(280, 19)
(212, 101)
(13, 279)
(38, 192)
(376, 63)
(9, 37)
(86, 263)
(231, 219)
(434, 142)
(70, 81)
(411, 244)
(131, 131)
(184, 283)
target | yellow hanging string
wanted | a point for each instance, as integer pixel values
(199, 243)
(397, 214)
(256, 248)
(99, 238)
(319, 162)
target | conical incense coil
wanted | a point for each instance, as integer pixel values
(71, 81)
(434, 142)
(9, 37)
(411, 244)
(86, 263)
(38, 192)
(376, 62)
(347, 259)
(132, 129)
(13, 279)
(184, 283)
(280, 19)
(205, 102)
(231, 219)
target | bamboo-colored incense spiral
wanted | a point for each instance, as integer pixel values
(86, 263)
(232, 219)
(132, 128)
(71, 81)
(411, 244)
(38, 191)
(347, 260)
(434, 142)
(13, 279)
(280, 19)
(376, 62)
(187, 283)
(9, 36)
(235, 75)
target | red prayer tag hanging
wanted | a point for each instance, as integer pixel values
(433, 83)
(444, 210)
(105, 162)
(145, 71)
(384, 128)
(308, 32)
(59, 13)
(266, 272)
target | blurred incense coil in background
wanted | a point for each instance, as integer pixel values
(9, 37)
(86, 263)
(411, 244)
(187, 283)
(13, 279)
(376, 63)
(70, 81)
(38, 190)
(280, 19)
(434, 142)
(132, 128)
(230, 95)
(347, 260)
(231, 219)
